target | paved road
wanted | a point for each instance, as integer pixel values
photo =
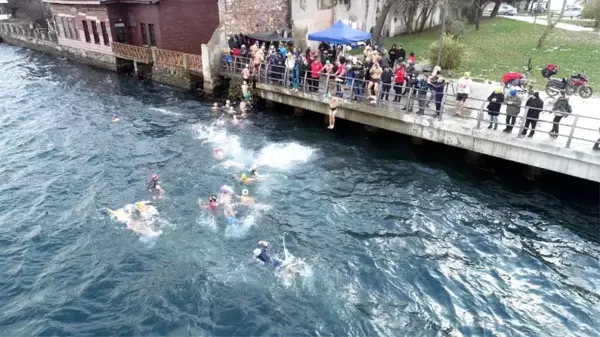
(543, 21)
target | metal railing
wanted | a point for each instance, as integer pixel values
(401, 99)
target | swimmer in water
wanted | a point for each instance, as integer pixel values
(212, 204)
(229, 213)
(263, 254)
(247, 200)
(231, 111)
(144, 210)
(219, 153)
(115, 118)
(227, 105)
(155, 188)
(244, 179)
(234, 120)
(215, 106)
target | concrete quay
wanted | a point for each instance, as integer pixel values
(579, 160)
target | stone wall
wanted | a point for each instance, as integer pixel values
(99, 60)
(246, 17)
(175, 76)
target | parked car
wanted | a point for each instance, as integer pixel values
(574, 11)
(507, 10)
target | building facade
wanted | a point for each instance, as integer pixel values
(4, 10)
(82, 24)
(248, 17)
(178, 25)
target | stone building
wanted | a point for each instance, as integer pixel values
(178, 25)
(84, 25)
(250, 16)
(4, 10)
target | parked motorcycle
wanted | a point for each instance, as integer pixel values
(575, 85)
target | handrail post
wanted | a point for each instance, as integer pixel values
(352, 89)
(443, 104)
(305, 80)
(572, 131)
(285, 77)
(155, 55)
(522, 125)
(327, 85)
(266, 72)
(480, 115)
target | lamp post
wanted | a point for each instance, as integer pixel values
(444, 10)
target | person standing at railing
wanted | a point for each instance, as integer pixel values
(386, 83)
(315, 71)
(561, 109)
(438, 84)
(246, 73)
(496, 99)
(359, 81)
(411, 91)
(339, 78)
(290, 63)
(399, 79)
(375, 72)
(422, 89)
(464, 90)
(328, 71)
(258, 59)
(535, 105)
(513, 108)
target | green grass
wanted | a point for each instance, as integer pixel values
(503, 45)
(582, 23)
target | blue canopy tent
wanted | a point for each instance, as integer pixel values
(340, 33)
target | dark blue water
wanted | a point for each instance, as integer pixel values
(396, 246)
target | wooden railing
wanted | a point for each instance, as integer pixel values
(131, 52)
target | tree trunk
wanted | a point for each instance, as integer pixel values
(428, 10)
(385, 9)
(496, 8)
(551, 24)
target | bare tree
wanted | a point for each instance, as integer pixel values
(427, 9)
(383, 13)
(29, 10)
(550, 25)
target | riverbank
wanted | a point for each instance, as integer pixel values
(502, 45)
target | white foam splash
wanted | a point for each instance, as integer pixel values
(218, 136)
(291, 267)
(166, 112)
(284, 155)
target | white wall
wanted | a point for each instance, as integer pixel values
(360, 14)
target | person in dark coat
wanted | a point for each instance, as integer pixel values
(412, 82)
(401, 54)
(386, 83)
(438, 85)
(393, 52)
(535, 105)
(496, 99)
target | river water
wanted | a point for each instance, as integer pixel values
(393, 245)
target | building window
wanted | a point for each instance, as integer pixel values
(64, 24)
(75, 28)
(144, 36)
(104, 34)
(152, 34)
(95, 32)
(86, 31)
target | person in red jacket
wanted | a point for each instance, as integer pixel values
(399, 78)
(411, 58)
(315, 71)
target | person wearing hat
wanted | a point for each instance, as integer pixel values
(155, 188)
(464, 90)
(212, 204)
(535, 105)
(115, 118)
(496, 99)
(246, 199)
(513, 108)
